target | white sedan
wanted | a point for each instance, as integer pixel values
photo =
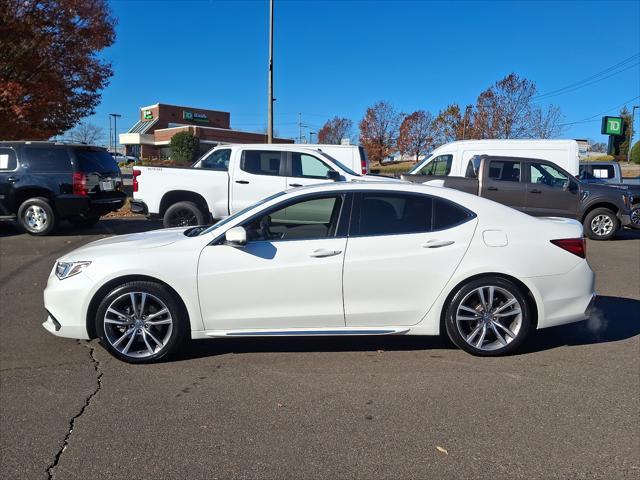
(339, 259)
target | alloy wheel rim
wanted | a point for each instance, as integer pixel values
(138, 324)
(36, 218)
(489, 318)
(601, 225)
(635, 217)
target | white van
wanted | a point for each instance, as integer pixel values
(353, 156)
(452, 158)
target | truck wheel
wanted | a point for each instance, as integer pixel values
(601, 224)
(635, 218)
(183, 214)
(36, 216)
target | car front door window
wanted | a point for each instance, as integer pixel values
(547, 175)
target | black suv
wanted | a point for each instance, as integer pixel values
(42, 183)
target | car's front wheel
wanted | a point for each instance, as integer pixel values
(601, 224)
(635, 218)
(488, 317)
(140, 322)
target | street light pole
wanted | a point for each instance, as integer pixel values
(633, 117)
(115, 129)
(110, 134)
(270, 110)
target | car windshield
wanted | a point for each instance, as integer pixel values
(417, 168)
(231, 218)
(91, 161)
(340, 164)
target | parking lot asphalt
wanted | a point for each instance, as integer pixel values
(567, 406)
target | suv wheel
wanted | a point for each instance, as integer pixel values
(140, 322)
(183, 214)
(601, 224)
(488, 317)
(36, 216)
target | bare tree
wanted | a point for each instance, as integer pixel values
(599, 147)
(379, 131)
(546, 122)
(334, 130)
(504, 109)
(416, 134)
(86, 132)
(449, 125)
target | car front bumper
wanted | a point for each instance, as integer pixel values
(66, 303)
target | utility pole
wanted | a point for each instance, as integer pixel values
(115, 128)
(633, 117)
(311, 134)
(270, 111)
(464, 123)
(110, 134)
(299, 128)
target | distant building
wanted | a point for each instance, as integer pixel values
(584, 147)
(150, 136)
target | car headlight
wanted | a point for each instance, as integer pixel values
(69, 269)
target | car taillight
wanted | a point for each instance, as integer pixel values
(136, 174)
(363, 165)
(576, 246)
(80, 184)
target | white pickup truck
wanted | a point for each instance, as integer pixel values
(230, 178)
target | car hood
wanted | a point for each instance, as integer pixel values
(130, 242)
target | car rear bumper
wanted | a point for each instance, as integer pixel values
(564, 298)
(74, 205)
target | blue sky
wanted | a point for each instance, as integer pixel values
(339, 57)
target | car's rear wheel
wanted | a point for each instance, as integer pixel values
(183, 214)
(141, 322)
(36, 216)
(488, 317)
(601, 224)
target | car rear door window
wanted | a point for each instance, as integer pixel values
(394, 213)
(8, 160)
(261, 162)
(504, 170)
(47, 159)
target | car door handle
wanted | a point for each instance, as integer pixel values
(323, 252)
(495, 189)
(535, 191)
(295, 184)
(13, 179)
(242, 182)
(437, 243)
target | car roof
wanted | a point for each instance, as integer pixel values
(48, 143)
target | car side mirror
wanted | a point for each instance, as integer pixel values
(333, 175)
(236, 237)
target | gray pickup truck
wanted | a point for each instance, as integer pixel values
(543, 189)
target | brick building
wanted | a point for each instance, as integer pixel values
(150, 136)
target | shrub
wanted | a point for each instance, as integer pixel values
(184, 147)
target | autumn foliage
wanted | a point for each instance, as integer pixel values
(417, 134)
(50, 75)
(334, 130)
(379, 131)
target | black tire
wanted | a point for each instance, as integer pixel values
(36, 216)
(519, 324)
(601, 224)
(158, 297)
(83, 222)
(183, 214)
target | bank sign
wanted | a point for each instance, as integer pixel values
(194, 116)
(611, 126)
(147, 114)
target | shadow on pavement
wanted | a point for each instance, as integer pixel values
(626, 234)
(106, 226)
(613, 319)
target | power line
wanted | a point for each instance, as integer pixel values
(590, 119)
(597, 77)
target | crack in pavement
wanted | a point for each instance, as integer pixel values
(87, 402)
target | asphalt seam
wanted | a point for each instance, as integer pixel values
(87, 402)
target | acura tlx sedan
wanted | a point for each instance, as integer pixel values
(338, 259)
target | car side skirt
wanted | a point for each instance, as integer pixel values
(300, 332)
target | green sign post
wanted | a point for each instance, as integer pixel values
(612, 125)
